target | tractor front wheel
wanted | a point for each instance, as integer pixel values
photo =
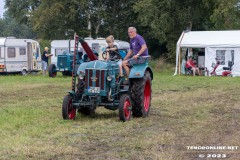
(68, 112)
(52, 71)
(125, 108)
(141, 95)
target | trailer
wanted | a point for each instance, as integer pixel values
(19, 55)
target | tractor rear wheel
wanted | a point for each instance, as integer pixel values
(125, 108)
(141, 95)
(52, 71)
(68, 112)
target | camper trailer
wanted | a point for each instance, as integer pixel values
(97, 45)
(19, 55)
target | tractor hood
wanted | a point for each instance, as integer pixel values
(98, 64)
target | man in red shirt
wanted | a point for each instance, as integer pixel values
(191, 65)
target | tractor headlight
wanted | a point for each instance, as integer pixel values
(109, 78)
(81, 76)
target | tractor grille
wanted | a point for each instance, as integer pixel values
(62, 61)
(95, 78)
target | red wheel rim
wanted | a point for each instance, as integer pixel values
(127, 108)
(71, 110)
(54, 74)
(147, 96)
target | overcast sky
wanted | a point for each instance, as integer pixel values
(2, 3)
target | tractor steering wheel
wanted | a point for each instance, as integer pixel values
(104, 55)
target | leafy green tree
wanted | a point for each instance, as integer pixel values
(159, 22)
(21, 10)
(226, 14)
(167, 19)
(57, 19)
(9, 27)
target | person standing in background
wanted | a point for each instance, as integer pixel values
(45, 56)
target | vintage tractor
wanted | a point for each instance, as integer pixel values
(99, 85)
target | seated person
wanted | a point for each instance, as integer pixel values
(138, 48)
(190, 65)
(112, 53)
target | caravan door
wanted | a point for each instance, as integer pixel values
(2, 62)
(32, 56)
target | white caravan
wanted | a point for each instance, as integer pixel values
(98, 45)
(19, 55)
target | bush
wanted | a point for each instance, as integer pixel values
(160, 65)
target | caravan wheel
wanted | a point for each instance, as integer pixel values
(24, 72)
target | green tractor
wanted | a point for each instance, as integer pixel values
(99, 86)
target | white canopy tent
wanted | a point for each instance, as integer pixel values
(216, 44)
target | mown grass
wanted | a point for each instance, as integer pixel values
(185, 111)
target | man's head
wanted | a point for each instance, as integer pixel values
(132, 32)
(46, 48)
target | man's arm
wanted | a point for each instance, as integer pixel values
(48, 55)
(114, 48)
(143, 48)
(128, 55)
(190, 64)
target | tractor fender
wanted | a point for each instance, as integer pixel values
(73, 94)
(139, 70)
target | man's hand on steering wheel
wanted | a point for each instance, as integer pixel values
(104, 54)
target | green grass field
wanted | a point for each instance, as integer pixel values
(185, 111)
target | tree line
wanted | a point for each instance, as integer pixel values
(160, 22)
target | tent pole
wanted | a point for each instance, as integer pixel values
(179, 56)
(179, 60)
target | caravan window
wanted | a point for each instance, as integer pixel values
(59, 51)
(11, 53)
(95, 47)
(22, 51)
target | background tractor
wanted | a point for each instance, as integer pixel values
(99, 85)
(65, 62)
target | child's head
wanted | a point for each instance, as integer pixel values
(110, 40)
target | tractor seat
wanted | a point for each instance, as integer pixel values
(226, 68)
